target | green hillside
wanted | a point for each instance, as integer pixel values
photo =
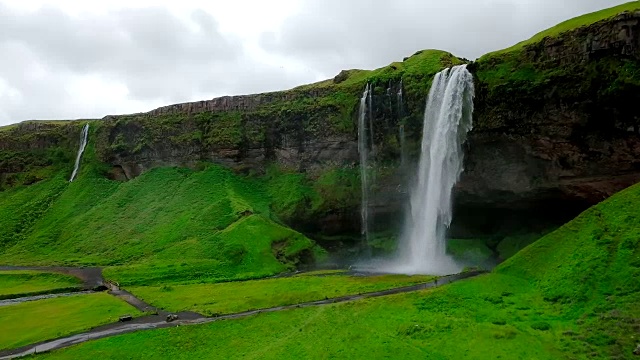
(167, 224)
(571, 295)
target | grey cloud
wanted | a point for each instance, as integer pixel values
(337, 34)
(162, 58)
(159, 57)
(153, 52)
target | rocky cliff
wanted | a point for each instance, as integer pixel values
(556, 129)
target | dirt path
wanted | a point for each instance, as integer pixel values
(158, 321)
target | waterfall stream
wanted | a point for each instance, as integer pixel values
(83, 144)
(447, 119)
(363, 149)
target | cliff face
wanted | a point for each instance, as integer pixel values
(556, 122)
(30, 150)
(556, 129)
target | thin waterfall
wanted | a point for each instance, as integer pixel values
(403, 146)
(83, 144)
(363, 149)
(371, 137)
(403, 140)
(447, 119)
(400, 96)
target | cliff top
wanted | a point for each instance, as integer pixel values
(568, 25)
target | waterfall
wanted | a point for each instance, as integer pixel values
(371, 137)
(400, 100)
(363, 149)
(83, 144)
(403, 146)
(447, 119)
(403, 140)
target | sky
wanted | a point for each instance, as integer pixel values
(70, 59)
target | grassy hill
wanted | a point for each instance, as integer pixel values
(571, 295)
(165, 225)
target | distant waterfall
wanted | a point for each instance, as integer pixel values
(401, 133)
(83, 143)
(403, 146)
(447, 119)
(363, 149)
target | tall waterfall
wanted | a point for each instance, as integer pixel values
(447, 119)
(83, 144)
(363, 149)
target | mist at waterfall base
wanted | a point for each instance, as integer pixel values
(447, 120)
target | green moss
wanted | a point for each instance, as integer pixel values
(221, 129)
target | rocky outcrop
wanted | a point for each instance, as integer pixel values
(232, 103)
(560, 132)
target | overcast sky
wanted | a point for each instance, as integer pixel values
(69, 59)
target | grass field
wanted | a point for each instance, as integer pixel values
(35, 321)
(226, 298)
(471, 319)
(571, 295)
(24, 283)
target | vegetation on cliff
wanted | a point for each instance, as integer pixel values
(591, 68)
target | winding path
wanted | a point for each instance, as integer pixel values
(187, 318)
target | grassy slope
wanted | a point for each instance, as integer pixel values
(167, 224)
(573, 294)
(19, 283)
(40, 320)
(464, 320)
(226, 298)
(584, 20)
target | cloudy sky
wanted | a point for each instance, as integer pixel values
(68, 59)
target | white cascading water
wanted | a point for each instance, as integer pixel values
(363, 149)
(83, 144)
(447, 119)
